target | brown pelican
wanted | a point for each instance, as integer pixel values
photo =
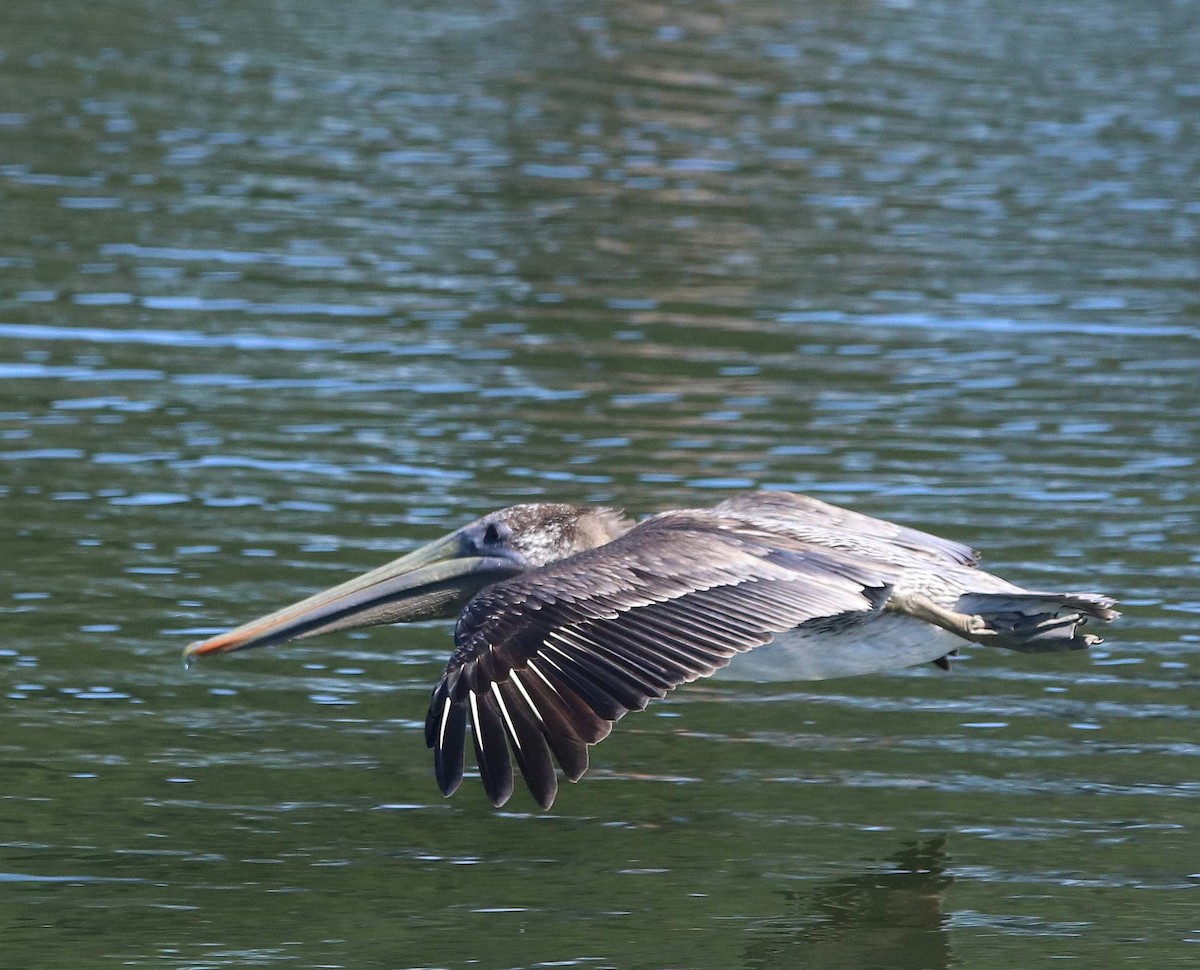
(570, 617)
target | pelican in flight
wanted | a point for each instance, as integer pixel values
(569, 617)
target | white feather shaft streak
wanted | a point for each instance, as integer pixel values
(445, 720)
(525, 694)
(512, 731)
(475, 718)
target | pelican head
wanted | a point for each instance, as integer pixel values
(435, 581)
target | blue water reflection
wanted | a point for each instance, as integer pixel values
(288, 289)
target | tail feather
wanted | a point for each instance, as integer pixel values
(1037, 622)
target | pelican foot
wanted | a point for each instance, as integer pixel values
(969, 626)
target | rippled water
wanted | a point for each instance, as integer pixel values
(287, 288)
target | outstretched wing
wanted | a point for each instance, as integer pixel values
(803, 518)
(546, 662)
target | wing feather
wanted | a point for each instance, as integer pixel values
(491, 746)
(811, 520)
(562, 728)
(446, 733)
(529, 745)
(546, 662)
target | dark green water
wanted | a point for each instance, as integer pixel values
(287, 288)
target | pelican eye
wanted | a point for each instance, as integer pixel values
(485, 539)
(497, 533)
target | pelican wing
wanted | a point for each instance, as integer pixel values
(807, 519)
(546, 662)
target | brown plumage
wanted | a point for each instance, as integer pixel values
(571, 617)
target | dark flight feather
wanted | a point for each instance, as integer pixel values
(606, 631)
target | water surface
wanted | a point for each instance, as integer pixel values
(287, 289)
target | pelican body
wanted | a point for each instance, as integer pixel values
(569, 617)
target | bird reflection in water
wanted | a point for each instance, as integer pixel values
(888, 918)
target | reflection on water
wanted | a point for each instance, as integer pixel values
(286, 289)
(891, 915)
